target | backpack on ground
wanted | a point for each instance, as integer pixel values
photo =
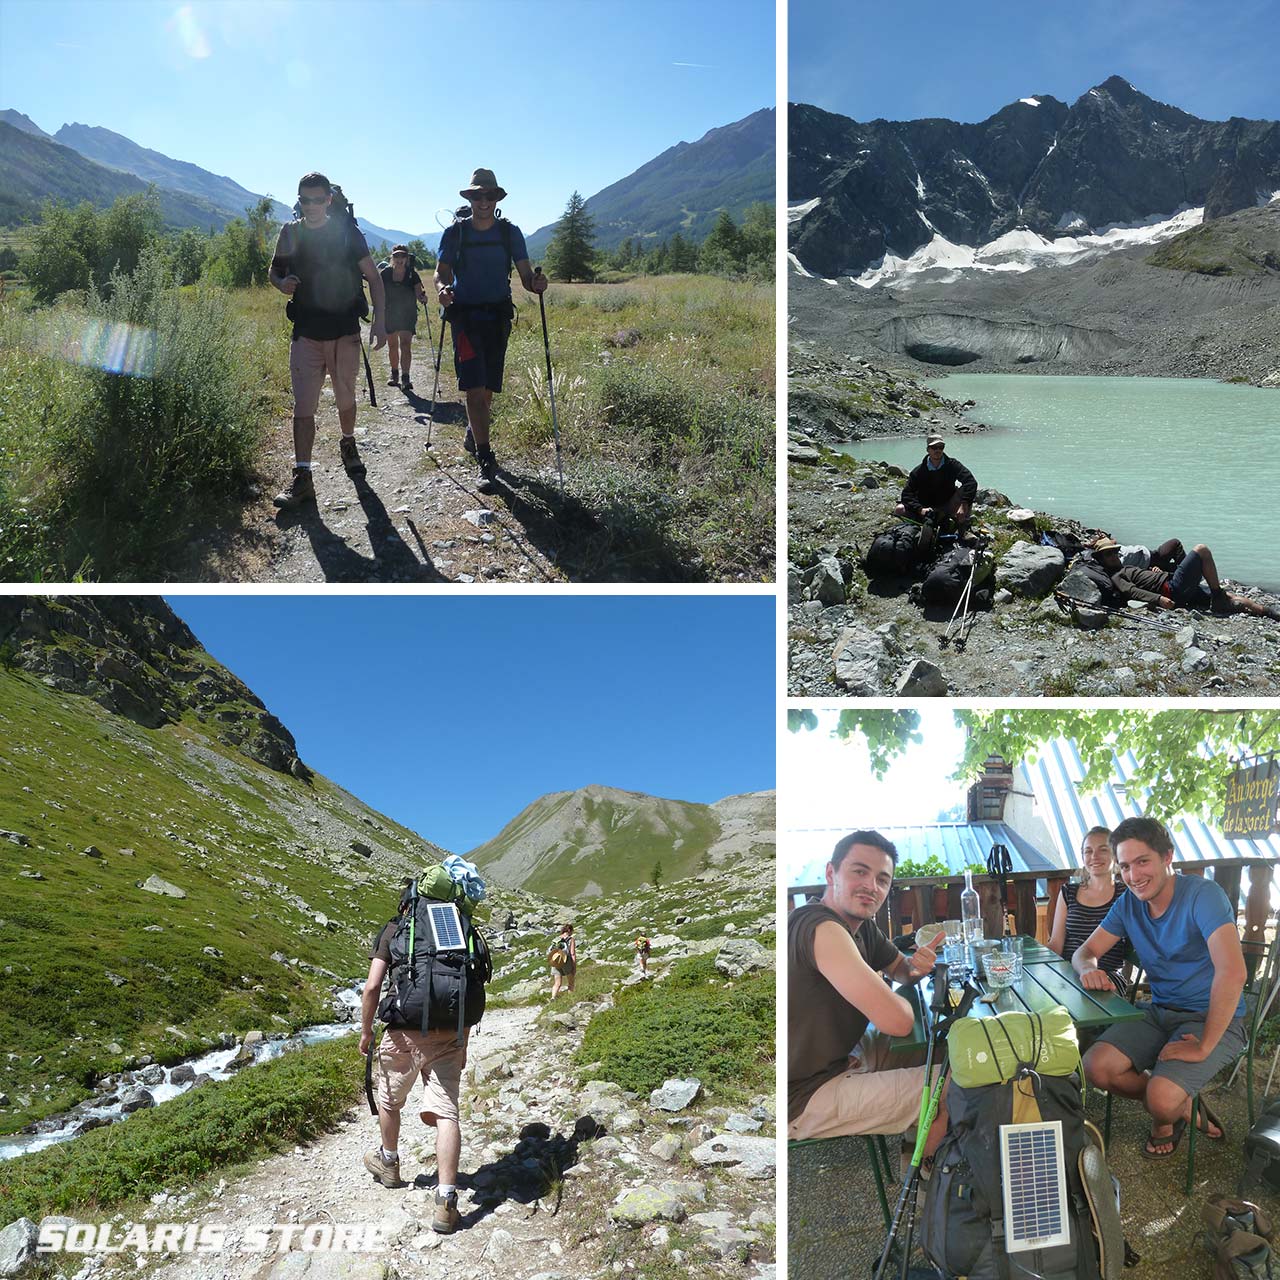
(946, 579)
(897, 552)
(1262, 1151)
(435, 989)
(1099, 577)
(963, 1230)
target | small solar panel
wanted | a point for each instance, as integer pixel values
(1035, 1186)
(446, 926)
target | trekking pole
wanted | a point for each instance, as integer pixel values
(368, 376)
(555, 422)
(963, 599)
(435, 388)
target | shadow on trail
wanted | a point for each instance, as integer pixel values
(532, 1171)
(392, 559)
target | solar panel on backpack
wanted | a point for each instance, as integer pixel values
(446, 926)
(1033, 1174)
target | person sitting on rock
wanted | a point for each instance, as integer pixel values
(941, 486)
(1192, 584)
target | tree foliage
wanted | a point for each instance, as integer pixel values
(1184, 757)
(241, 254)
(744, 251)
(571, 254)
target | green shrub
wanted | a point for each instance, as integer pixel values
(290, 1100)
(693, 1023)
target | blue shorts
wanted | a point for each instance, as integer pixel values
(1186, 584)
(1141, 1043)
(479, 346)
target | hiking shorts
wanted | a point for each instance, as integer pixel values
(1186, 583)
(310, 360)
(405, 1056)
(871, 1097)
(402, 320)
(1141, 1043)
(479, 346)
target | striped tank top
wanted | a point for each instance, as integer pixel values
(1082, 921)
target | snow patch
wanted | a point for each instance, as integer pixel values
(1031, 102)
(1265, 198)
(797, 211)
(795, 262)
(1021, 250)
(919, 186)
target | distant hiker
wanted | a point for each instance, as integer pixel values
(473, 280)
(406, 951)
(1193, 584)
(562, 955)
(318, 263)
(940, 487)
(643, 947)
(403, 288)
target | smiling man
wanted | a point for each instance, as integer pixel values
(1184, 931)
(837, 961)
(941, 487)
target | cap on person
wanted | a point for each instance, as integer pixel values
(934, 439)
(483, 183)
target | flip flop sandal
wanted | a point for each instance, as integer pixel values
(1209, 1117)
(1175, 1137)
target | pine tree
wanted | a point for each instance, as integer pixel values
(571, 255)
(723, 251)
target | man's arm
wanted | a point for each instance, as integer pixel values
(840, 962)
(532, 283)
(910, 497)
(964, 477)
(1085, 960)
(1228, 982)
(369, 1001)
(908, 970)
(280, 275)
(377, 322)
(1124, 583)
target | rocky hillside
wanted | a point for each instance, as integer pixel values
(1114, 156)
(1246, 243)
(574, 844)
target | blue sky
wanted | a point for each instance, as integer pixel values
(407, 98)
(965, 62)
(452, 715)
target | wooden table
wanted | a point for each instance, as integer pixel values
(1047, 980)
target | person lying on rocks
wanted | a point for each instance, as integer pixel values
(941, 486)
(1192, 584)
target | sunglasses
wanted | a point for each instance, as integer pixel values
(489, 199)
(935, 448)
(313, 199)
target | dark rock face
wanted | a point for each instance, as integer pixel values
(136, 658)
(1113, 156)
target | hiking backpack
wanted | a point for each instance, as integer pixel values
(434, 990)
(1262, 1151)
(963, 1229)
(504, 230)
(1099, 577)
(945, 581)
(343, 211)
(896, 552)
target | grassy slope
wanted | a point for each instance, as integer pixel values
(198, 815)
(1241, 244)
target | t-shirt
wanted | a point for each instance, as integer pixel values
(483, 275)
(823, 1028)
(1082, 921)
(381, 949)
(330, 283)
(1174, 948)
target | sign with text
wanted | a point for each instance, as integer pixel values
(1252, 791)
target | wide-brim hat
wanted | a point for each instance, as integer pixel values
(483, 182)
(1105, 544)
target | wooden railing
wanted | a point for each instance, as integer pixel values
(913, 902)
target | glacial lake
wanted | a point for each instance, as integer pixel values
(1143, 458)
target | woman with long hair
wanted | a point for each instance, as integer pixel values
(1082, 907)
(563, 957)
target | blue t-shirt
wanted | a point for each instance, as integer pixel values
(483, 276)
(1174, 949)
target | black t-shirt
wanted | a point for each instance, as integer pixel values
(330, 291)
(822, 1026)
(381, 948)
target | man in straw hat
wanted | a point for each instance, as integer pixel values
(941, 486)
(473, 280)
(1192, 584)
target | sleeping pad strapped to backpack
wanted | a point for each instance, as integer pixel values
(963, 1231)
(434, 990)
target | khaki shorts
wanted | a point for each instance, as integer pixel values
(868, 1098)
(310, 360)
(405, 1056)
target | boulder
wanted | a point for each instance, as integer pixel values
(738, 956)
(183, 1073)
(644, 1204)
(332, 1266)
(747, 1157)
(1030, 570)
(826, 582)
(153, 884)
(864, 660)
(17, 1246)
(675, 1095)
(922, 680)
(1196, 660)
(1079, 586)
(136, 1100)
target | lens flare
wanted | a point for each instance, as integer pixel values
(110, 345)
(190, 33)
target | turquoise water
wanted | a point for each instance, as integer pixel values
(1143, 458)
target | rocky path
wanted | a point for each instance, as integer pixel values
(416, 515)
(557, 1180)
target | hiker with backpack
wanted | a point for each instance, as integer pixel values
(319, 262)
(643, 948)
(562, 956)
(473, 282)
(435, 994)
(838, 1079)
(402, 286)
(941, 488)
(1191, 583)
(1183, 930)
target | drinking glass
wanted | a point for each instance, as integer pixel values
(998, 966)
(1012, 947)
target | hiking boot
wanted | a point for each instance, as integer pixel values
(405, 385)
(488, 470)
(446, 1219)
(394, 379)
(386, 1171)
(1221, 603)
(351, 456)
(302, 488)
(469, 443)
(1273, 613)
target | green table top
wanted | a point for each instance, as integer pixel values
(1046, 981)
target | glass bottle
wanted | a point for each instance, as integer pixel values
(970, 909)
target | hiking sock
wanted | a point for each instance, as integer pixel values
(445, 1189)
(302, 466)
(391, 1157)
